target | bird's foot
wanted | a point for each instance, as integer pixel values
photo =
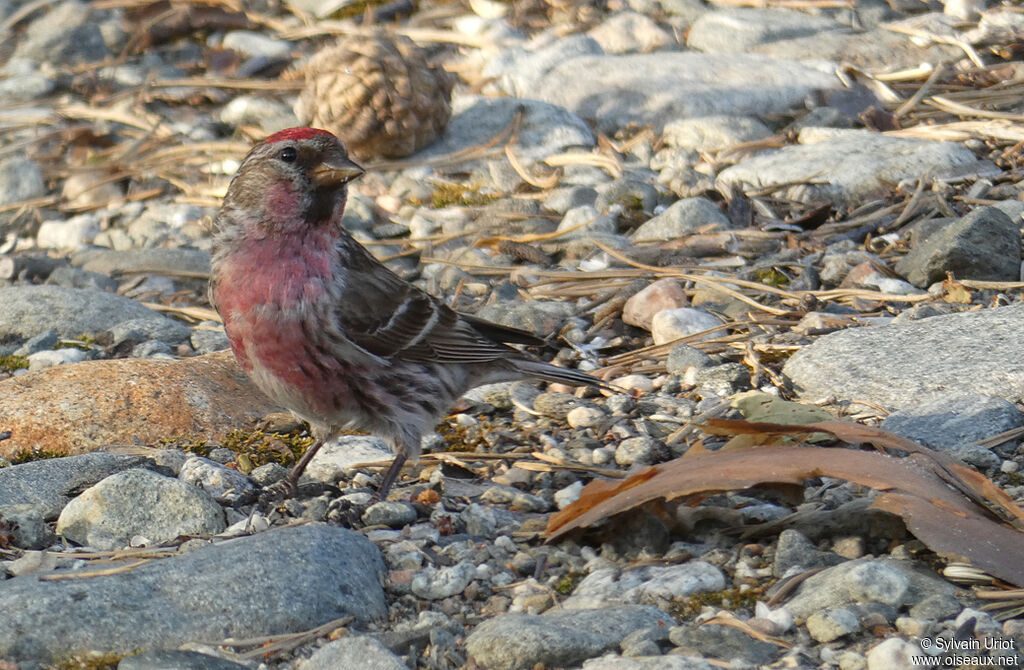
(348, 510)
(287, 489)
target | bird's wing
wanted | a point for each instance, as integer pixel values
(389, 317)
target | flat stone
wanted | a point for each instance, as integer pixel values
(954, 419)
(355, 651)
(737, 30)
(668, 662)
(175, 659)
(650, 585)
(926, 358)
(155, 261)
(712, 133)
(137, 502)
(723, 643)
(49, 484)
(76, 408)
(630, 32)
(558, 638)
(271, 583)
(26, 311)
(546, 129)
(657, 88)
(845, 168)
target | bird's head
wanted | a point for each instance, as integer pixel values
(295, 178)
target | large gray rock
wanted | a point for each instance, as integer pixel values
(49, 484)
(904, 364)
(26, 311)
(275, 582)
(616, 91)
(558, 638)
(847, 167)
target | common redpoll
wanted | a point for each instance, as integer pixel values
(325, 329)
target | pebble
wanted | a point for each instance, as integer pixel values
(72, 233)
(712, 133)
(584, 417)
(681, 218)
(640, 451)
(107, 515)
(30, 531)
(892, 654)
(20, 179)
(831, 624)
(336, 458)
(672, 324)
(559, 638)
(437, 583)
(866, 580)
(392, 514)
(354, 651)
(226, 485)
(983, 245)
(607, 586)
(48, 359)
(665, 293)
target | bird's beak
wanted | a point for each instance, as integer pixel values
(335, 171)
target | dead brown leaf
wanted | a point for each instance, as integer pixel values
(955, 511)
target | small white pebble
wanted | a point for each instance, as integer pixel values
(568, 495)
(1010, 466)
(48, 359)
(638, 382)
(584, 417)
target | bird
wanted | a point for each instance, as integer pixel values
(326, 330)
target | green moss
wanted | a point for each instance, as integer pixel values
(567, 584)
(89, 661)
(772, 277)
(11, 363)
(731, 599)
(255, 448)
(446, 195)
(1014, 478)
(85, 342)
(29, 455)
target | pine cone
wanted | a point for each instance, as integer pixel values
(377, 94)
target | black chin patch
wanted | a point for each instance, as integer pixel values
(327, 201)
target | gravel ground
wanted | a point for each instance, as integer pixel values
(716, 208)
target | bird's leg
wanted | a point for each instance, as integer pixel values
(288, 486)
(390, 476)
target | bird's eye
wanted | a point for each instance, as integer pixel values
(289, 154)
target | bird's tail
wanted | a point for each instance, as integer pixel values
(553, 373)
